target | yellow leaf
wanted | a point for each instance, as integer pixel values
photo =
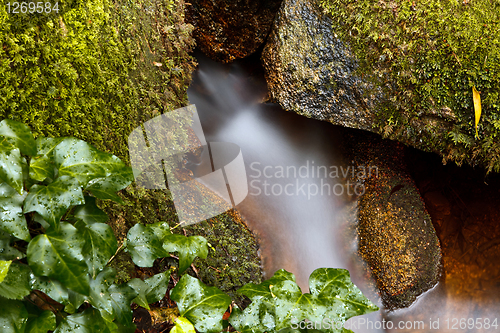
(477, 105)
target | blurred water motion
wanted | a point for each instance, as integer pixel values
(302, 232)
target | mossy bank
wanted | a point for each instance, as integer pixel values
(403, 69)
(96, 70)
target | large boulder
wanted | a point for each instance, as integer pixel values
(314, 67)
(226, 30)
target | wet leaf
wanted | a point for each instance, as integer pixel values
(51, 287)
(16, 284)
(41, 321)
(122, 297)
(157, 286)
(11, 169)
(142, 289)
(59, 256)
(88, 321)
(161, 229)
(99, 296)
(257, 317)
(182, 325)
(477, 106)
(75, 300)
(278, 303)
(332, 285)
(78, 159)
(42, 165)
(99, 246)
(144, 246)
(257, 291)
(188, 248)
(12, 219)
(19, 134)
(4, 268)
(53, 200)
(105, 188)
(204, 306)
(13, 316)
(89, 212)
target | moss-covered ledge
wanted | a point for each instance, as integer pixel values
(403, 69)
(426, 56)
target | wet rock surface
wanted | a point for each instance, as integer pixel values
(396, 235)
(226, 30)
(310, 71)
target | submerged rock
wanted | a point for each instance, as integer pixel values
(226, 30)
(396, 236)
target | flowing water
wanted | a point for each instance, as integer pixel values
(303, 217)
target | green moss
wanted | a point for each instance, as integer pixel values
(93, 72)
(232, 260)
(98, 70)
(427, 55)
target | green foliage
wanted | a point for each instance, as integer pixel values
(278, 303)
(201, 305)
(63, 235)
(427, 55)
(68, 246)
(182, 325)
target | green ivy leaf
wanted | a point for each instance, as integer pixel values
(258, 317)
(142, 289)
(99, 296)
(42, 165)
(12, 219)
(41, 321)
(292, 304)
(279, 300)
(78, 159)
(258, 291)
(144, 246)
(59, 255)
(11, 170)
(88, 321)
(100, 245)
(4, 268)
(160, 229)
(16, 284)
(13, 316)
(7, 252)
(105, 188)
(122, 297)
(157, 286)
(204, 306)
(75, 300)
(89, 212)
(332, 286)
(51, 287)
(19, 134)
(188, 248)
(53, 200)
(182, 325)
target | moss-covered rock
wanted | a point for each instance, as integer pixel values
(398, 68)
